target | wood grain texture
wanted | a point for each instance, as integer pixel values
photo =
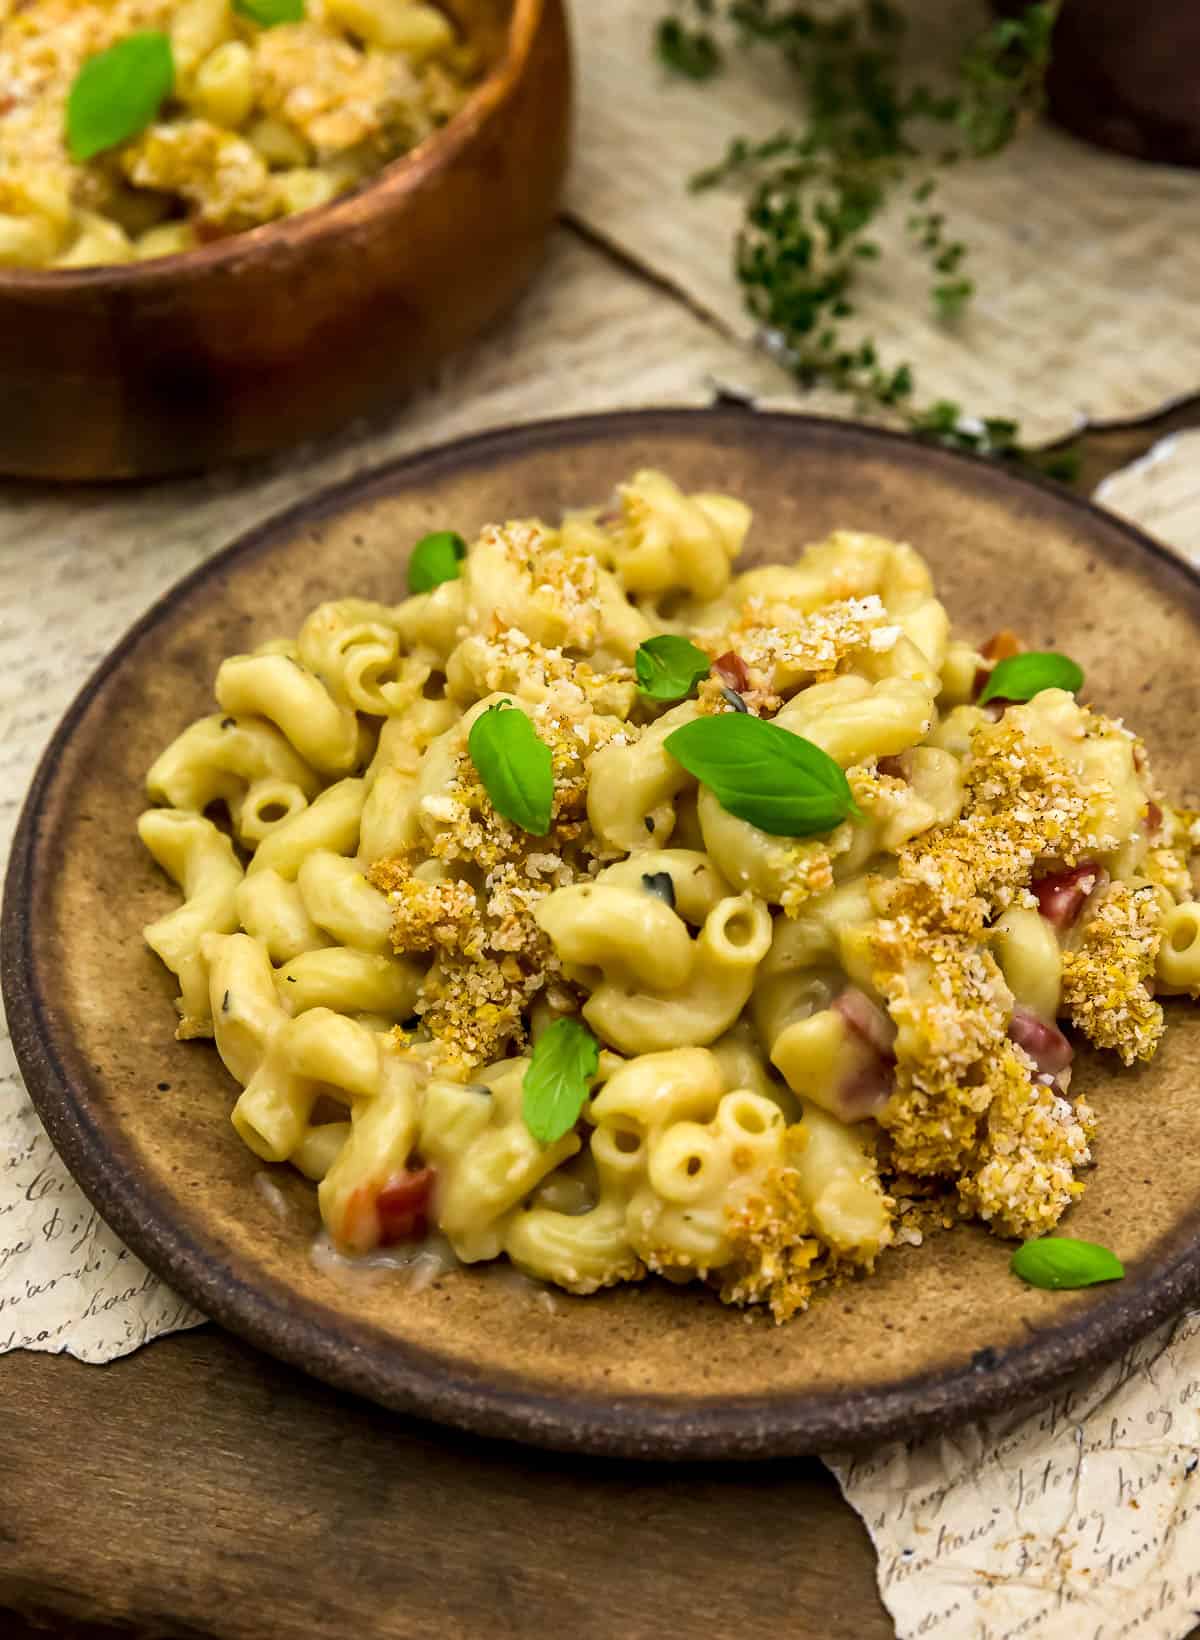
(199, 1491)
(284, 333)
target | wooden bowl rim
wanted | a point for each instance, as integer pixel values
(414, 1379)
(399, 180)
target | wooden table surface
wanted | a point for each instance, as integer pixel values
(199, 1491)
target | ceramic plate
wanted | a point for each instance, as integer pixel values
(942, 1332)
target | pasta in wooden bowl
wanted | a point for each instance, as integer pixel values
(230, 225)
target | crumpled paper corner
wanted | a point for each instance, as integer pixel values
(66, 1281)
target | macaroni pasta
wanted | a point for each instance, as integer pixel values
(807, 1047)
(262, 122)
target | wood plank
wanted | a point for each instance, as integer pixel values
(200, 1489)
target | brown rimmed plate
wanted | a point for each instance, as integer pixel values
(942, 1332)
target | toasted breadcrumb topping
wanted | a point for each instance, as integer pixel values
(1104, 989)
(1024, 805)
(968, 1103)
(490, 959)
(949, 1000)
(1021, 1179)
(777, 1259)
(785, 648)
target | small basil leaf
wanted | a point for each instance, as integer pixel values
(436, 558)
(1021, 677)
(734, 699)
(565, 1058)
(669, 667)
(266, 13)
(1057, 1262)
(661, 884)
(118, 92)
(515, 766)
(762, 773)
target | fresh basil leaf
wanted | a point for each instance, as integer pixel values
(1059, 1261)
(556, 1084)
(118, 92)
(1021, 677)
(669, 667)
(661, 884)
(436, 558)
(515, 766)
(266, 13)
(762, 773)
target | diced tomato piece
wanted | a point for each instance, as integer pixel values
(870, 1070)
(1062, 894)
(1045, 1044)
(403, 1206)
(867, 1019)
(1154, 816)
(1001, 645)
(731, 669)
(867, 1091)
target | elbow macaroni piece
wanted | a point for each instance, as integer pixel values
(1178, 961)
(787, 1029)
(652, 986)
(201, 861)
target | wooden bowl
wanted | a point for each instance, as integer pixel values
(942, 1332)
(283, 333)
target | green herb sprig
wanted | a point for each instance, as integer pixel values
(557, 1082)
(515, 766)
(815, 191)
(436, 558)
(1021, 677)
(266, 13)
(1059, 1262)
(669, 667)
(765, 774)
(118, 92)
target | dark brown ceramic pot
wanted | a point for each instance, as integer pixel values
(284, 333)
(1125, 74)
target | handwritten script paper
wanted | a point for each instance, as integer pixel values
(1080, 1520)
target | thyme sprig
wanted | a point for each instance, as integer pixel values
(815, 191)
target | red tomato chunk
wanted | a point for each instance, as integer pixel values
(731, 669)
(1045, 1044)
(403, 1206)
(1061, 895)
